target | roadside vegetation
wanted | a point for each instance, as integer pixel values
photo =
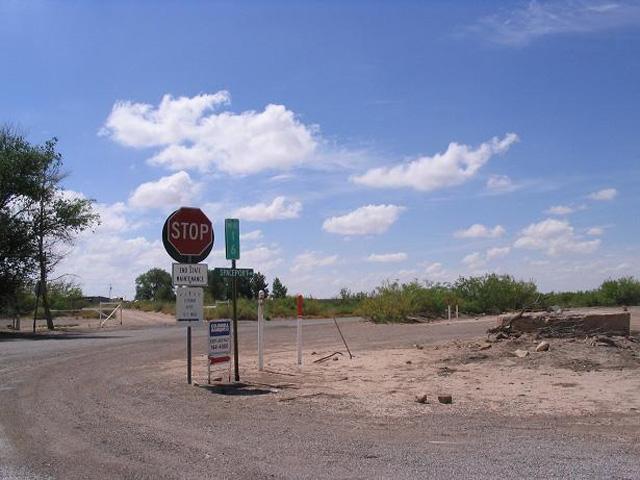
(38, 219)
(393, 301)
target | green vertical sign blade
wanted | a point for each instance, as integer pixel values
(232, 238)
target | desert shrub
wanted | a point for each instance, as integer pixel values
(395, 302)
(494, 293)
(624, 291)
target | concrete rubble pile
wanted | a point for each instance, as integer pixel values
(559, 324)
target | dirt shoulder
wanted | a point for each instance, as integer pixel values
(575, 376)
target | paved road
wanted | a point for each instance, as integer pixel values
(96, 406)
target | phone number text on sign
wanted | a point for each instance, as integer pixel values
(220, 339)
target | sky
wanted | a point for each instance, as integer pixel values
(357, 142)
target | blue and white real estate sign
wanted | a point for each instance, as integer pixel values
(219, 340)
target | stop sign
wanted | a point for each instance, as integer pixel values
(187, 235)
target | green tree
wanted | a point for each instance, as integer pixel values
(19, 169)
(258, 282)
(156, 285)
(216, 286)
(279, 290)
(65, 295)
(57, 217)
(623, 291)
(243, 285)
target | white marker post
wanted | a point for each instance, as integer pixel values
(449, 312)
(260, 330)
(299, 332)
(457, 315)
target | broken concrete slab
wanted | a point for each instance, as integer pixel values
(567, 324)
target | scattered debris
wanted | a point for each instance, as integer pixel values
(342, 337)
(419, 347)
(446, 399)
(422, 399)
(485, 346)
(335, 359)
(542, 347)
(521, 353)
(446, 371)
(322, 359)
(408, 362)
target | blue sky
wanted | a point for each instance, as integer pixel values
(357, 141)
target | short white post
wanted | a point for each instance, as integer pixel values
(449, 312)
(260, 330)
(299, 331)
(457, 315)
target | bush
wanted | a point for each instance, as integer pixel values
(624, 291)
(494, 293)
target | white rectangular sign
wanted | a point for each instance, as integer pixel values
(191, 275)
(189, 304)
(219, 339)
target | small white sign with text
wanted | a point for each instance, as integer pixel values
(190, 274)
(189, 304)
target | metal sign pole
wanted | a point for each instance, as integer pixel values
(235, 324)
(299, 329)
(189, 354)
(260, 330)
(190, 260)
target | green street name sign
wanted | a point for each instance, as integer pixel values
(232, 238)
(234, 272)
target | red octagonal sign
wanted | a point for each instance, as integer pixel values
(187, 235)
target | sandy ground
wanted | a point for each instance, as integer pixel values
(130, 319)
(572, 378)
(115, 404)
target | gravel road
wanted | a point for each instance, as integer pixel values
(95, 405)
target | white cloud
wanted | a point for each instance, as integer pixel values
(477, 260)
(113, 217)
(497, 252)
(101, 259)
(500, 184)
(71, 195)
(521, 25)
(250, 236)
(478, 230)
(191, 136)
(279, 209)
(387, 257)
(458, 164)
(554, 237)
(261, 258)
(370, 219)
(474, 260)
(595, 231)
(173, 191)
(604, 195)
(435, 271)
(560, 210)
(310, 260)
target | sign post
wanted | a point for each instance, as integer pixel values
(187, 236)
(299, 329)
(260, 330)
(232, 252)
